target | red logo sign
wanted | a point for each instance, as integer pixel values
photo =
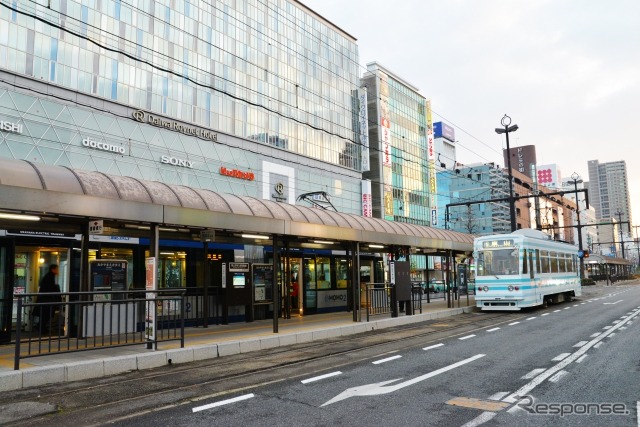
(235, 173)
(544, 176)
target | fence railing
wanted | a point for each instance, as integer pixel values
(81, 321)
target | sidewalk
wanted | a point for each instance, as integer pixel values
(201, 344)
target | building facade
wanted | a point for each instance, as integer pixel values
(609, 190)
(402, 174)
(250, 98)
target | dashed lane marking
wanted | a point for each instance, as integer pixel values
(433, 346)
(481, 419)
(531, 318)
(581, 358)
(545, 314)
(555, 311)
(610, 336)
(513, 323)
(321, 377)
(607, 327)
(532, 374)
(598, 345)
(223, 402)
(467, 337)
(555, 378)
(498, 396)
(581, 343)
(594, 335)
(388, 359)
(567, 308)
(492, 329)
(561, 357)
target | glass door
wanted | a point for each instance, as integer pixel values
(310, 296)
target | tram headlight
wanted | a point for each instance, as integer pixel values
(510, 288)
(486, 289)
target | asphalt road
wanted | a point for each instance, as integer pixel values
(579, 359)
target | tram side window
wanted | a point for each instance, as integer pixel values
(554, 261)
(538, 268)
(562, 263)
(525, 265)
(572, 260)
(544, 262)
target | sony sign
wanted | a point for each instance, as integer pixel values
(10, 127)
(176, 162)
(102, 146)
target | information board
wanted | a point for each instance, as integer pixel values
(108, 275)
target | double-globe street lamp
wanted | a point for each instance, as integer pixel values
(506, 122)
(575, 180)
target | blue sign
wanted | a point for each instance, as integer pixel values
(580, 254)
(443, 130)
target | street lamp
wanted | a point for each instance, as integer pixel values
(506, 122)
(575, 179)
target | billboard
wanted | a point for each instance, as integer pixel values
(521, 158)
(549, 176)
(431, 156)
(363, 120)
(443, 130)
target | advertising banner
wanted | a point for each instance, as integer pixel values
(367, 200)
(150, 306)
(363, 120)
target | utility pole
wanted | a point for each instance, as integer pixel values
(619, 213)
(576, 180)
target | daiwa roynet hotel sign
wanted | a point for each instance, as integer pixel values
(142, 117)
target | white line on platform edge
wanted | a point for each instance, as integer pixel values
(223, 402)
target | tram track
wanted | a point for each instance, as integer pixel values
(146, 391)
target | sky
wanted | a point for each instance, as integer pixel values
(567, 72)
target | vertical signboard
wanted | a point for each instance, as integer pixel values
(385, 134)
(431, 156)
(367, 206)
(363, 120)
(150, 306)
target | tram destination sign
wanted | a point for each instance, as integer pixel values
(498, 243)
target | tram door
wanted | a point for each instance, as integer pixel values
(6, 292)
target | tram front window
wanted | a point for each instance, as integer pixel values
(498, 262)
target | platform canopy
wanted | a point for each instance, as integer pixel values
(61, 192)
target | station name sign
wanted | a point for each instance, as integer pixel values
(143, 117)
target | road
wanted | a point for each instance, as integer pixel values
(493, 369)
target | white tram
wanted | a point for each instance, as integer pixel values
(524, 269)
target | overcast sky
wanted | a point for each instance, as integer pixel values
(566, 71)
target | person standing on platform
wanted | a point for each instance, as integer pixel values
(49, 293)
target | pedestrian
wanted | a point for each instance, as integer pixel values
(49, 293)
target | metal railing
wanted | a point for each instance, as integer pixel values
(82, 321)
(377, 298)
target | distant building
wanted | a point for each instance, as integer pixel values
(403, 184)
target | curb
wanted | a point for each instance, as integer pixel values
(84, 370)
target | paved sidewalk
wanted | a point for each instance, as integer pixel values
(201, 344)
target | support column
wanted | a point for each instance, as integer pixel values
(276, 285)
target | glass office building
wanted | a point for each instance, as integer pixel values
(401, 170)
(252, 98)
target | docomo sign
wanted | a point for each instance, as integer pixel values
(235, 173)
(102, 146)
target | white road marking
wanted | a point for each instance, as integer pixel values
(433, 346)
(610, 336)
(555, 378)
(388, 359)
(321, 377)
(615, 321)
(581, 358)
(532, 374)
(567, 308)
(492, 329)
(513, 323)
(499, 395)
(638, 413)
(561, 357)
(581, 343)
(527, 388)
(622, 317)
(611, 303)
(622, 328)
(555, 311)
(598, 345)
(382, 387)
(594, 335)
(467, 337)
(582, 303)
(531, 318)
(223, 402)
(575, 305)
(482, 418)
(546, 314)
(607, 327)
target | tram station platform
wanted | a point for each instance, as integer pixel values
(205, 343)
